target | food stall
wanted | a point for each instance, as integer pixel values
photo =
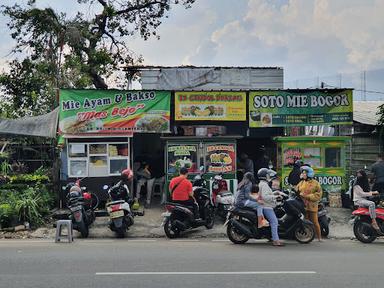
(96, 127)
(215, 154)
(326, 155)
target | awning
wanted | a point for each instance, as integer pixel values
(42, 126)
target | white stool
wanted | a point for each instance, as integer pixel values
(159, 182)
(59, 225)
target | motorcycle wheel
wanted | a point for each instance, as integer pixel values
(364, 232)
(120, 232)
(324, 227)
(235, 236)
(305, 233)
(170, 232)
(210, 217)
(83, 229)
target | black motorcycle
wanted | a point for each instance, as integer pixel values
(82, 206)
(323, 218)
(242, 223)
(179, 218)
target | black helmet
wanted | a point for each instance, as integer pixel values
(299, 163)
(266, 174)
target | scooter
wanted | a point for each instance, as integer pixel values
(362, 223)
(323, 218)
(242, 222)
(82, 206)
(119, 209)
(222, 198)
(179, 218)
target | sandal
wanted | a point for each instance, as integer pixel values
(376, 227)
(278, 243)
(264, 223)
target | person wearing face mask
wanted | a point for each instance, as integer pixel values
(268, 198)
(361, 191)
(310, 191)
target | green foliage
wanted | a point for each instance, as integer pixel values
(29, 178)
(72, 52)
(5, 168)
(29, 205)
(6, 214)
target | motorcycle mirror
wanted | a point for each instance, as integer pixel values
(105, 187)
(64, 187)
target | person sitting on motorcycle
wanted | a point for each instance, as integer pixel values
(181, 191)
(361, 191)
(310, 191)
(269, 201)
(244, 199)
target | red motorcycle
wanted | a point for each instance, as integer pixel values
(362, 227)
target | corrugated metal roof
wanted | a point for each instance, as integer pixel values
(364, 112)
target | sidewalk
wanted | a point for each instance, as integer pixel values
(148, 226)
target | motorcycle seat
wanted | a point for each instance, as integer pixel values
(178, 204)
(246, 212)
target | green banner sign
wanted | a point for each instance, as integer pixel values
(113, 111)
(300, 108)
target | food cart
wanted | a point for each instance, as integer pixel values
(215, 154)
(326, 155)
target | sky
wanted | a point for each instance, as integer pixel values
(314, 41)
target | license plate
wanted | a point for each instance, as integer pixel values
(117, 214)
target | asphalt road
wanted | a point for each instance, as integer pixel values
(189, 263)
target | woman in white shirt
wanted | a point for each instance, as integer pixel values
(361, 191)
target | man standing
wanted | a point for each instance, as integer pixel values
(378, 170)
(181, 190)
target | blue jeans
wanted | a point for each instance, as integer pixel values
(255, 206)
(271, 217)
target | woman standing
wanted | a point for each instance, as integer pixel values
(361, 191)
(310, 191)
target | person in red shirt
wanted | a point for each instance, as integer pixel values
(181, 190)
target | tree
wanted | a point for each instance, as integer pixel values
(79, 52)
(380, 122)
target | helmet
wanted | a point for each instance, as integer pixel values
(127, 174)
(299, 163)
(308, 170)
(266, 174)
(75, 188)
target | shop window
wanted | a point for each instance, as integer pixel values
(98, 166)
(97, 159)
(97, 148)
(116, 150)
(312, 156)
(332, 157)
(117, 165)
(182, 156)
(220, 158)
(290, 156)
(77, 150)
(77, 168)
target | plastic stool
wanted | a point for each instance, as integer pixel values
(59, 226)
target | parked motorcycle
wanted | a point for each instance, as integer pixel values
(222, 198)
(242, 222)
(362, 222)
(323, 218)
(119, 209)
(82, 205)
(179, 218)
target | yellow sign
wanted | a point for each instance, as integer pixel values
(214, 106)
